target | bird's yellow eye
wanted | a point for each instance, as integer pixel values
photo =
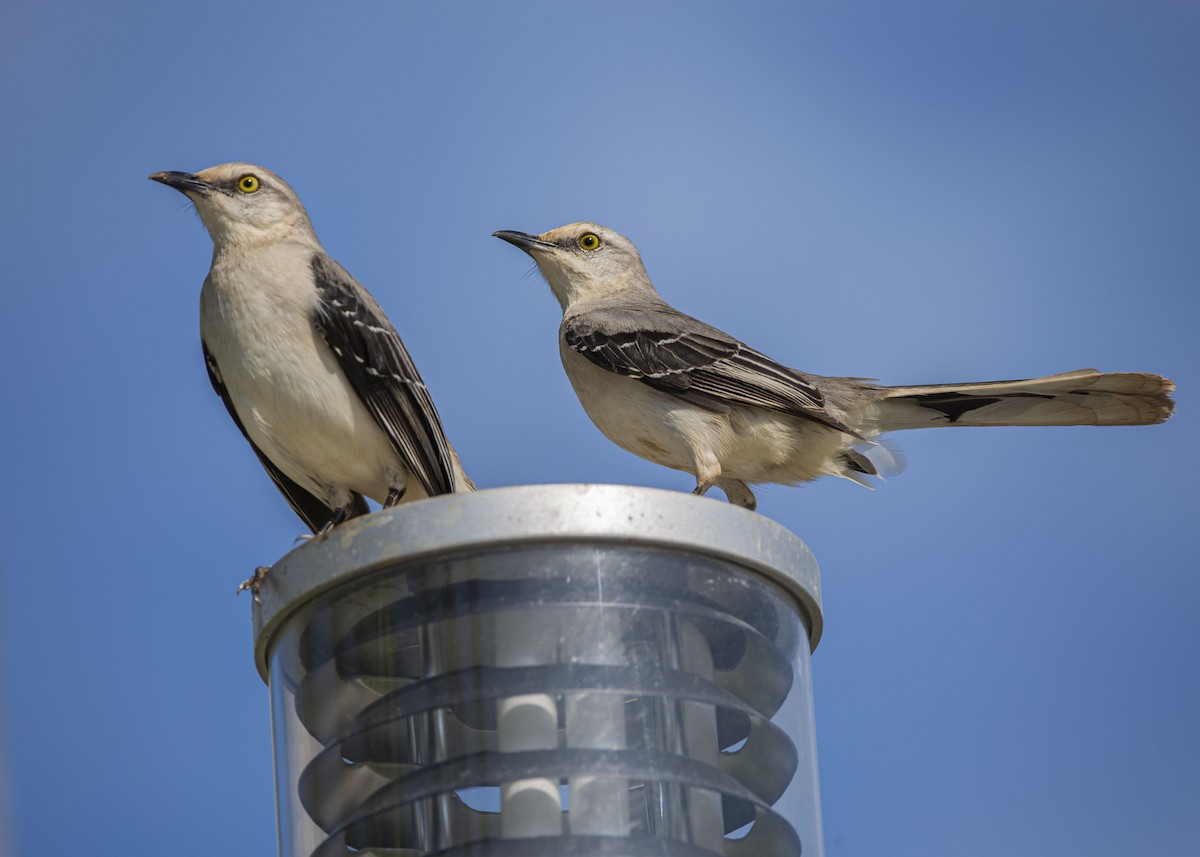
(589, 241)
(248, 183)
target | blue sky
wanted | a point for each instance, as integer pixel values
(919, 192)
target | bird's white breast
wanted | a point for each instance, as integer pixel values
(256, 317)
(637, 417)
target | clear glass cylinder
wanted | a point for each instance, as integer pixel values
(530, 672)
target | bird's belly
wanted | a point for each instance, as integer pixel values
(769, 446)
(638, 418)
(304, 416)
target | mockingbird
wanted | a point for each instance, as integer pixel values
(680, 393)
(310, 368)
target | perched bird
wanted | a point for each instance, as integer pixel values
(686, 395)
(310, 368)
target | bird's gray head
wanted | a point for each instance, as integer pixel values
(242, 203)
(584, 261)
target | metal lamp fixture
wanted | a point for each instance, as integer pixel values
(545, 670)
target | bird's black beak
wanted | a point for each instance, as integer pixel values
(528, 243)
(182, 182)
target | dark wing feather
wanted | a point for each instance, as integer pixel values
(382, 374)
(694, 362)
(312, 511)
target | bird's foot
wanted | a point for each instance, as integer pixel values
(345, 513)
(254, 582)
(738, 493)
(395, 495)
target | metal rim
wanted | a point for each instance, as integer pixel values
(528, 514)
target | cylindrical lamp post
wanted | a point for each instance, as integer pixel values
(545, 670)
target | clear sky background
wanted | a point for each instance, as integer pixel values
(917, 192)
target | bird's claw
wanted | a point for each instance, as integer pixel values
(254, 582)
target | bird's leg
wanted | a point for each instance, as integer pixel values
(254, 582)
(738, 492)
(395, 495)
(339, 515)
(707, 468)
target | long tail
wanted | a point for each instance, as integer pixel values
(1081, 398)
